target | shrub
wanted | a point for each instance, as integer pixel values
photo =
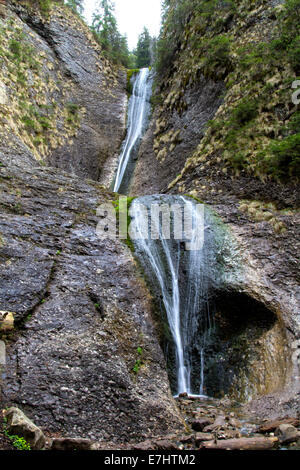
(256, 57)
(294, 124)
(72, 108)
(44, 122)
(73, 113)
(45, 6)
(238, 161)
(217, 52)
(244, 112)
(29, 123)
(294, 54)
(15, 48)
(283, 158)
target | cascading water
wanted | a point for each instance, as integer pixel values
(183, 273)
(191, 279)
(138, 113)
(182, 276)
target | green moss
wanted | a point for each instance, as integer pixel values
(130, 74)
(195, 198)
(18, 442)
(125, 205)
(73, 117)
(139, 362)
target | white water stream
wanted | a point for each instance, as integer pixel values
(181, 276)
(138, 110)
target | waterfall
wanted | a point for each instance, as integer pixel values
(178, 266)
(138, 113)
(181, 268)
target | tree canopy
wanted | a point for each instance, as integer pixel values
(143, 50)
(76, 5)
(105, 29)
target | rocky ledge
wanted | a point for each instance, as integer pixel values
(210, 425)
(82, 316)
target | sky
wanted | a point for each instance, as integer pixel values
(132, 16)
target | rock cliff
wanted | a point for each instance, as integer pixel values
(83, 316)
(80, 345)
(222, 105)
(83, 356)
(62, 104)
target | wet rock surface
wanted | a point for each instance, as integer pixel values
(81, 313)
(260, 265)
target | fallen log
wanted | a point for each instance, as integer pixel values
(271, 426)
(244, 443)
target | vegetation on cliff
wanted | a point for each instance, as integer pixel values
(36, 107)
(46, 107)
(256, 130)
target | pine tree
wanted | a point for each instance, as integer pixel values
(143, 51)
(76, 5)
(105, 29)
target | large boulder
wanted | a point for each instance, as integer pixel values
(18, 424)
(69, 443)
(287, 434)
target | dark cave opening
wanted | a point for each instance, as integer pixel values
(244, 353)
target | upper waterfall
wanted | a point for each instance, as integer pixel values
(138, 112)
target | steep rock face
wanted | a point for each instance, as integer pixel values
(84, 359)
(61, 102)
(260, 212)
(222, 106)
(173, 135)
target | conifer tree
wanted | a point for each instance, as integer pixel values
(143, 51)
(76, 5)
(105, 29)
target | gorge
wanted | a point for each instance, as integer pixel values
(130, 345)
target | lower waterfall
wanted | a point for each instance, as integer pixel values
(181, 266)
